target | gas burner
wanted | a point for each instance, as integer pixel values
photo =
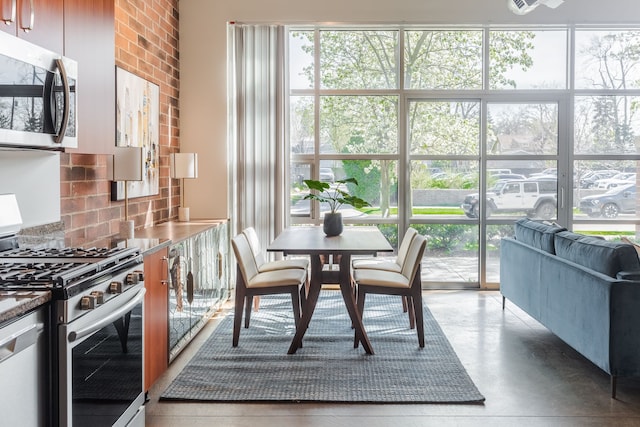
(82, 253)
(42, 274)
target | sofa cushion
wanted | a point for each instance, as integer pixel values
(597, 254)
(537, 234)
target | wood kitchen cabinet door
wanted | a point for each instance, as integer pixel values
(44, 20)
(156, 329)
(89, 38)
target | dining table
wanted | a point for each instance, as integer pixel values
(311, 241)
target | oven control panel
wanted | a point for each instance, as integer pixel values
(101, 294)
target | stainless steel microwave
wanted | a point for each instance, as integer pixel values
(38, 96)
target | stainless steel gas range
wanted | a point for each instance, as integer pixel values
(95, 329)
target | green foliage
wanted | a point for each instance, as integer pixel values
(390, 231)
(334, 196)
(443, 237)
(363, 172)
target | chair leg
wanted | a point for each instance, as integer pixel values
(405, 307)
(237, 315)
(295, 301)
(411, 310)
(247, 310)
(360, 305)
(417, 309)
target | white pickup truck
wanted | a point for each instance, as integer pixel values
(534, 197)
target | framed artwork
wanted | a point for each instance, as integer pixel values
(138, 125)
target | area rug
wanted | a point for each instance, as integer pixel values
(327, 368)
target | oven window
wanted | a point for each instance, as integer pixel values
(107, 371)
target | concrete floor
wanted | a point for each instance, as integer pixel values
(528, 376)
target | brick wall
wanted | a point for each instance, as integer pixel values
(147, 45)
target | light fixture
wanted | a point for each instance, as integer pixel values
(183, 165)
(522, 7)
(126, 165)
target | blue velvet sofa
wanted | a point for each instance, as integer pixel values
(584, 289)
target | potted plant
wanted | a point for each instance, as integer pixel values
(334, 197)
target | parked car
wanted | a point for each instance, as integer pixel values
(534, 197)
(621, 199)
(505, 176)
(326, 175)
(497, 171)
(616, 180)
(589, 179)
(546, 172)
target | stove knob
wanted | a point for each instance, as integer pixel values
(132, 278)
(140, 274)
(99, 296)
(115, 287)
(88, 302)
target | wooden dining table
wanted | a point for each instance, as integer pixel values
(311, 240)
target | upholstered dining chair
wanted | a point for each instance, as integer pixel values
(396, 266)
(406, 283)
(251, 282)
(264, 265)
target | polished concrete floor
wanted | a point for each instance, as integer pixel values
(528, 376)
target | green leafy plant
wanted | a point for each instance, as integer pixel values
(334, 196)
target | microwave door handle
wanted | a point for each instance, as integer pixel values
(65, 109)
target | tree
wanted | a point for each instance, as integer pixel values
(366, 123)
(610, 60)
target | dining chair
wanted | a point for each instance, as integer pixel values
(264, 265)
(250, 282)
(406, 283)
(396, 266)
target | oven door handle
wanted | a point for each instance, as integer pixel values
(76, 335)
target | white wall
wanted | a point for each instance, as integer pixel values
(203, 58)
(34, 177)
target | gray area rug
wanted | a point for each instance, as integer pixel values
(327, 368)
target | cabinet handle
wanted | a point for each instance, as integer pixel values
(31, 18)
(165, 261)
(12, 15)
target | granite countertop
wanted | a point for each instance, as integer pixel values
(16, 303)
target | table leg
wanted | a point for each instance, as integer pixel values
(315, 285)
(350, 302)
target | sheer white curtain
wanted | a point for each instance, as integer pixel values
(256, 128)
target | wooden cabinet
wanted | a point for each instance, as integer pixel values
(156, 300)
(42, 19)
(89, 38)
(198, 281)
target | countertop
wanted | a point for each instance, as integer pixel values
(14, 304)
(177, 231)
(152, 239)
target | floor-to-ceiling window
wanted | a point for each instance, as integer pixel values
(457, 132)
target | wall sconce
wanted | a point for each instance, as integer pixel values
(183, 165)
(126, 165)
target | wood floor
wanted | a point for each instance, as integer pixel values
(528, 376)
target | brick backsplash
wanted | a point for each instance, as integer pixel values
(146, 45)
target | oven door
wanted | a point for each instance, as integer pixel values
(101, 364)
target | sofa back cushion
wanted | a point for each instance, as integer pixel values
(597, 254)
(536, 234)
